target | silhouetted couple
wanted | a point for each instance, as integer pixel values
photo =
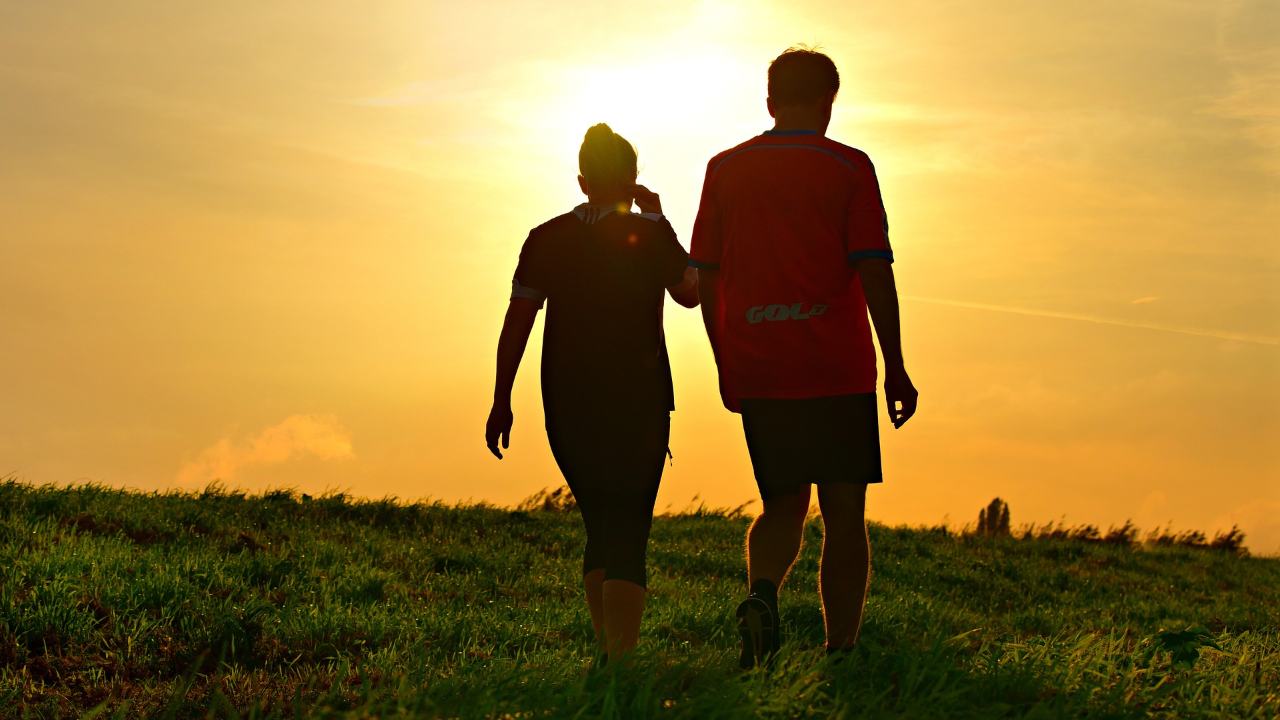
(790, 251)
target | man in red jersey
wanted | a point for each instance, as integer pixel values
(792, 250)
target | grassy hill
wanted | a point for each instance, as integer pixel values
(139, 605)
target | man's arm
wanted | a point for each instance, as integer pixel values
(709, 294)
(882, 302)
(708, 287)
(516, 327)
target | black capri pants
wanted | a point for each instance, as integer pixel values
(613, 463)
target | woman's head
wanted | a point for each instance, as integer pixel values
(607, 163)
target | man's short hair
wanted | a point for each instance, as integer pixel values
(801, 76)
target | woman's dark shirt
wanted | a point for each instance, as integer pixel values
(604, 281)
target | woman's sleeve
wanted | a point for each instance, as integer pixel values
(533, 278)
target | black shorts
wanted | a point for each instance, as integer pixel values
(794, 443)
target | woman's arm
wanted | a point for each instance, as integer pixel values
(516, 327)
(686, 293)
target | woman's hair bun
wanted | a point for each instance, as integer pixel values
(606, 159)
(598, 132)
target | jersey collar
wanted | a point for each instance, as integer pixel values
(785, 133)
(590, 214)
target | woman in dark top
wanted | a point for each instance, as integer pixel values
(606, 381)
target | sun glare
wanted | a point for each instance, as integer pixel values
(669, 102)
(659, 95)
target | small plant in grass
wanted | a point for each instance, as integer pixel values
(1182, 646)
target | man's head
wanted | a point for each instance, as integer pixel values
(802, 82)
(607, 163)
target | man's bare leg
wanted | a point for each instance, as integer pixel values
(846, 561)
(773, 542)
(593, 583)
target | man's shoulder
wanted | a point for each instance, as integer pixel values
(858, 157)
(850, 155)
(719, 157)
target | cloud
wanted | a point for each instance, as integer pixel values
(1081, 317)
(297, 436)
(1144, 300)
(1246, 46)
(1153, 511)
(408, 95)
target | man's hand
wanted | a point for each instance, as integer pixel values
(881, 292)
(898, 390)
(730, 403)
(498, 426)
(646, 199)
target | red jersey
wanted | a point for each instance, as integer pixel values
(784, 217)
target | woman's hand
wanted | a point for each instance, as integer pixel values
(498, 426)
(521, 312)
(646, 199)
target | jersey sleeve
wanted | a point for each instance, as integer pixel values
(867, 235)
(534, 277)
(668, 257)
(706, 245)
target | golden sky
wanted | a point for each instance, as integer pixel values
(272, 242)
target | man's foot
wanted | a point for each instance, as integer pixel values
(758, 628)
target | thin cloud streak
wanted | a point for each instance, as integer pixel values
(1159, 327)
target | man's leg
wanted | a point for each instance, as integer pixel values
(773, 541)
(777, 445)
(846, 561)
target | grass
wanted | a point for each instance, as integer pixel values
(120, 604)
